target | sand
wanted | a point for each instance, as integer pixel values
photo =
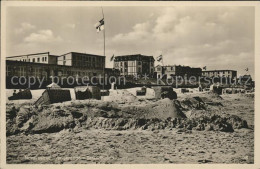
(84, 145)
(132, 147)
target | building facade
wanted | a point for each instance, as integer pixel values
(112, 72)
(176, 70)
(220, 73)
(133, 65)
(45, 66)
(44, 58)
(39, 70)
(82, 60)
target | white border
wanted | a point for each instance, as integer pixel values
(256, 4)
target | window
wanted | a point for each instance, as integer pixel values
(64, 57)
(38, 59)
(44, 73)
(64, 62)
(139, 63)
(21, 71)
(59, 73)
(33, 59)
(42, 59)
(35, 72)
(8, 72)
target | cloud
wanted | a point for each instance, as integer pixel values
(42, 36)
(195, 36)
(24, 27)
(139, 31)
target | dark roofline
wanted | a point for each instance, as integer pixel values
(33, 63)
(82, 53)
(218, 70)
(29, 55)
(133, 55)
(179, 66)
(118, 58)
(43, 64)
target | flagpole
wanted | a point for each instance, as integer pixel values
(246, 70)
(162, 59)
(104, 34)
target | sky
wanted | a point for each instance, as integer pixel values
(216, 37)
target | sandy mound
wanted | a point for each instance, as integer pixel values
(120, 96)
(249, 95)
(199, 102)
(59, 116)
(161, 109)
(218, 121)
(189, 113)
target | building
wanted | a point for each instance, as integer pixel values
(112, 72)
(246, 80)
(46, 72)
(232, 74)
(176, 70)
(65, 64)
(132, 65)
(44, 58)
(46, 66)
(88, 61)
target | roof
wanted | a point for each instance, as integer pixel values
(29, 54)
(133, 57)
(29, 63)
(82, 54)
(14, 62)
(246, 76)
(178, 66)
(218, 70)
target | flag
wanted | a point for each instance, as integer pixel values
(246, 69)
(205, 68)
(112, 58)
(159, 58)
(100, 25)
